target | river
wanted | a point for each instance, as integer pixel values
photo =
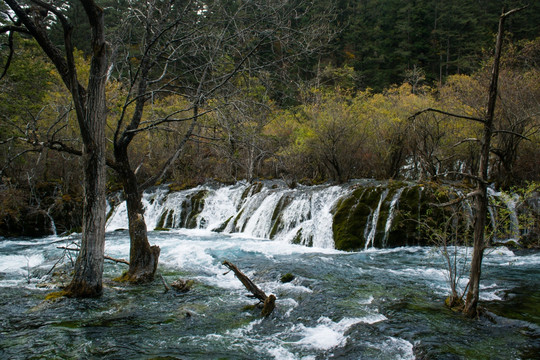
(372, 304)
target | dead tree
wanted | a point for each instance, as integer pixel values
(479, 195)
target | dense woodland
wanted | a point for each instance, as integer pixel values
(304, 91)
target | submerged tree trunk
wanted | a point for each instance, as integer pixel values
(143, 258)
(269, 301)
(87, 279)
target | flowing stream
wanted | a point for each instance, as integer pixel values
(373, 304)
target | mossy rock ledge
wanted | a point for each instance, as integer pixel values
(354, 214)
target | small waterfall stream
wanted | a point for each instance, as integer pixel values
(391, 215)
(374, 220)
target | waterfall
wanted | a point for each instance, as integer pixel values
(153, 203)
(53, 225)
(249, 207)
(391, 215)
(308, 218)
(220, 205)
(260, 222)
(118, 218)
(270, 210)
(345, 216)
(374, 220)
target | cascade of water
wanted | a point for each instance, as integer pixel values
(467, 206)
(220, 205)
(369, 222)
(514, 221)
(373, 230)
(260, 223)
(118, 219)
(177, 207)
(153, 205)
(249, 207)
(290, 220)
(308, 218)
(391, 215)
(53, 225)
(322, 205)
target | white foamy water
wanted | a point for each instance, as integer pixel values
(328, 334)
(20, 264)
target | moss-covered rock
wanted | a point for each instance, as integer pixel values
(351, 217)
(191, 208)
(277, 221)
(288, 277)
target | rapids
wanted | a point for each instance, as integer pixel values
(372, 304)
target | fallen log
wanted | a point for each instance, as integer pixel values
(269, 302)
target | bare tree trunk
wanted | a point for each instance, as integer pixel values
(481, 199)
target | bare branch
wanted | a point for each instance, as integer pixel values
(170, 120)
(10, 55)
(412, 117)
(513, 11)
(466, 140)
(105, 257)
(469, 176)
(458, 199)
(13, 28)
(495, 132)
(151, 181)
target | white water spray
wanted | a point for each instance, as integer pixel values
(391, 215)
(374, 220)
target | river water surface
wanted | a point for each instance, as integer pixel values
(374, 304)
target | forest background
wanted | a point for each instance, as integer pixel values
(339, 111)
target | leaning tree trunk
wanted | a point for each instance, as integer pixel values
(143, 258)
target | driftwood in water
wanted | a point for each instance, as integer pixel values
(182, 285)
(105, 257)
(178, 285)
(167, 288)
(268, 301)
